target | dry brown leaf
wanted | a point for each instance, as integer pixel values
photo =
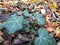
(57, 35)
(1, 39)
(51, 25)
(1, 33)
(50, 29)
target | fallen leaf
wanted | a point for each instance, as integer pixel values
(1, 39)
(1, 33)
(0, 6)
(33, 0)
(57, 32)
(20, 39)
(50, 24)
(50, 29)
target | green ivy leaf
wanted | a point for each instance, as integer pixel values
(33, 10)
(24, 7)
(19, 12)
(32, 31)
(40, 19)
(44, 38)
(26, 25)
(26, 21)
(26, 13)
(27, 28)
(13, 24)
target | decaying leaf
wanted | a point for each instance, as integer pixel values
(1, 33)
(1, 39)
(20, 39)
(50, 29)
(50, 24)
(4, 16)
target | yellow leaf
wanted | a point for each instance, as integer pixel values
(34, 0)
(0, 6)
(57, 32)
(57, 35)
(53, 6)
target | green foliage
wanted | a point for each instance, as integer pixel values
(44, 38)
(26, 28)
(19, 12)
(13, 24)
(21, 20)
(26, 13)
(25, 21)
(40, 19)
(30, 22)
